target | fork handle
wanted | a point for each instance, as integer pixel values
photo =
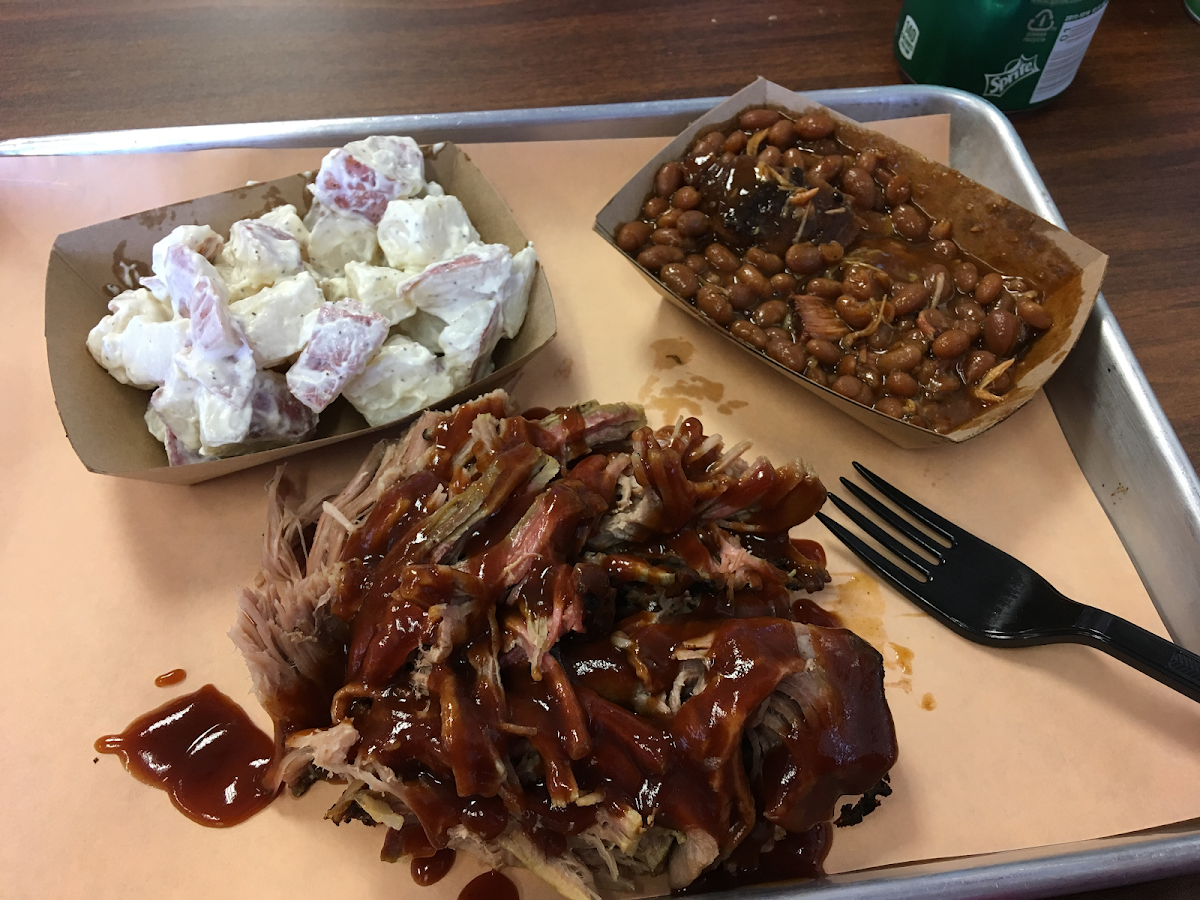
(1159, 658)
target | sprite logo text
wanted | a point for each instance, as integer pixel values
(908, 37)
(999, 83)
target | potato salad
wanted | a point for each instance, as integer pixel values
(383, 293)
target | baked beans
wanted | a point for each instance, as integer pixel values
(818, 256)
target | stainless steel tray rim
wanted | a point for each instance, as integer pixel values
(1158, 517)
(998, 876)
(1078, 870)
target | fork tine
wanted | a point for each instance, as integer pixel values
(902, 525)
(881, 564)
(903, 551)
(947, 529)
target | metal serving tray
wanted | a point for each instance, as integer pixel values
(1111, 418)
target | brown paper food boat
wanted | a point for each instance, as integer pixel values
(1009, 238)
(104, 418)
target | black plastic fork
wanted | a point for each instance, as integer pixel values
(991, 598)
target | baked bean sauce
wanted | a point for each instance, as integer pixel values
(203, 750)
(816, 256)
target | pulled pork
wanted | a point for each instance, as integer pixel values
(570, 643)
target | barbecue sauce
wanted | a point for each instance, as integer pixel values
(502, 734)
(428, 865)
(489, 886)
(792, 857)
(168, 679)
(432, 869)
(203, 750)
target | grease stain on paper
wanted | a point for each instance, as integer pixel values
(898, 658)
(672, 352)
(904, 657)
(928, 703)
(272, 198)
(686, 396)
(859, 604)
(151, 218)
(128, 272)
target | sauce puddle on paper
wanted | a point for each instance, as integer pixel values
(432, 869)
(490, 886)
(166, 679)
(203, 750)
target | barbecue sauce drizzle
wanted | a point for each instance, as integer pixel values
(576, 716)
(431, 869)
(203, 750)
(574, 707)
(489, 886)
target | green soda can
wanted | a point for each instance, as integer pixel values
(1018, 54)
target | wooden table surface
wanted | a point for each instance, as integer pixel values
(1119, 151)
